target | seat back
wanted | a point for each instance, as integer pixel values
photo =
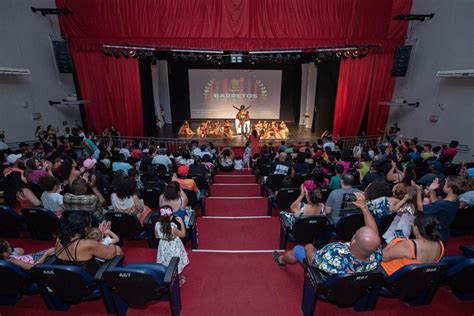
(286, 197)
(57, 280)
(384, 223)
(461, 277)
(346, 289)
(416, 283)
(41, 223)
(94, 220)
(200, 181)
(149, 225)
(151, 197)
(10, 222)
(300, 178)
(273, 181)
(15, 280)
(306, 228)
(264, 170)
(126, 226)
(463, 223)
(348, 224)
(193, 201)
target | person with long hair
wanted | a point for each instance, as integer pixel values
(174, 197)
(24, 261)
(74, 248)
(125, 198)
(17, 195)
(170, 244)
(254, 140)
(406, 211)
(425, 248)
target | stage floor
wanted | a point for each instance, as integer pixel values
(297, 132)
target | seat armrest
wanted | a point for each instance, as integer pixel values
(50, 260)
(313, 273)
(117, 261)
(172, 270)
(467, 250)
(271, 194)
(285, 223)
(192, 220)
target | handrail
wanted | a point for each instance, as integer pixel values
(176, 143)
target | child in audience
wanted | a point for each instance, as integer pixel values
(51, 198)
(17, 256)
(106, 238)
(170, 243)
(247, 153)
(406, 211)
(238, 163)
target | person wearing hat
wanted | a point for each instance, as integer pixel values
(186, 184)
(13, 161)
(101, 180)
(435, 172)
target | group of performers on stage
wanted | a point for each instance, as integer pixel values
(243, 125)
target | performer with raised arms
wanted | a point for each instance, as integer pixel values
(240, 117)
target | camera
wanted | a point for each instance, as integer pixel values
(349, 197)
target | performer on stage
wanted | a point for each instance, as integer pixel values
(185, 130)
(218, 129)
(227, 130)
(284, 131)
(240, 117)
(246, 123)
(201, 130)
(258, 127)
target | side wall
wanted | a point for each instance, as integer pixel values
(444, 43)
(25, 43)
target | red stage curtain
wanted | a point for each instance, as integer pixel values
(381, 90)
(355, 77)
(113, 87)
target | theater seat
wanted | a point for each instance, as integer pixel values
(273, 183)
(191, 231)
(200, 181)
(139, 284)
(283, 199)
(41, 223)
(11, 222)
(359, 290)
(126, 226)
(461, 279)
(306, 229)
(416, 284)
(384, 223)
(348, 224)
(151, 197)
(15, 282)
(64, 285)
(94, 220)
(463, 223)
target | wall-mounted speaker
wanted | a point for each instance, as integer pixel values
(62, 56)
(401, 60)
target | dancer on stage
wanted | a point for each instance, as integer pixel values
(185, 130)
(227, 130)
(218, 129)
(246, 123)
(284, 131)
(240, 117)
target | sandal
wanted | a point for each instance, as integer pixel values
(276, 257)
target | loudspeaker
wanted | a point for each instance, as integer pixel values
(62, 56)
(400, 62)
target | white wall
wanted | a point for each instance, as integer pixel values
(444, 43)
(25, 43)
(309, 75)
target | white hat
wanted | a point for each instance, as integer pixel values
(11, 159)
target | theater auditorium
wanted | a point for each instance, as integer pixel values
(236, 157)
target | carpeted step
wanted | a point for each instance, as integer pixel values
(241, 234)
(234, 190)
(234, 179)
(236, 172)
(245, 206)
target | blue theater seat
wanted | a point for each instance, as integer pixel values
(283, 199)
(14, 283)
(11, 223)
(348, 224)
(306, 229)
(359, 290)
(41, 223)
(384, 223)
(94, 220)
(191, 231)
(461, 279)
(126, 226)
(64, 285)
(416, 284)
(151, 197)
(139, 284)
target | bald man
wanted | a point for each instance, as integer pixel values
(361, 254)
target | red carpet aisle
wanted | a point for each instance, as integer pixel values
(233, 272)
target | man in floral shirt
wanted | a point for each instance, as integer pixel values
(361, 254)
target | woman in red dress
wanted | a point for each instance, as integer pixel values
(255, 142)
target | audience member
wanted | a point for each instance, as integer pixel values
(15, 164)
(335, 182)
(126, 200)
(17, 256)
(435, 172)
(174, 196)
(121, 163)
(51, 198)
(79, 200)
(335, 198)
(16, 194)
(466, 199)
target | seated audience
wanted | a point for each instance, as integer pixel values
(51, 198)
(318, 180)
(17, 256)
(121, 164)
(73, 247)
(126, 200)
(451, 151)
(174, 197)
(425, 248)
(379, 201)
(238, 163)
(186, 184)
(334, 201)
(301, 166)
(443, 209)
(467, 198)
(162, 159)
(435, 172)
(335, 182)
(375, 174)
(226, 160)
(361, 254)
(282, 165)
(16, 194)
(314, 205)
(15, 164)
(33, 171)
(79, 199)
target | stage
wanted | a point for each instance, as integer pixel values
(297, 133)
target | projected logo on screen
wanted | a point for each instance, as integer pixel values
(242, 90)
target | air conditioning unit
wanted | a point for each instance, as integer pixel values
(14, 71)
(464, 73)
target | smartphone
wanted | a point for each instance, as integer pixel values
(349, 197)
(399, 233)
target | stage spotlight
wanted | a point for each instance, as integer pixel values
(116, 54)
(355, 54)
(208, 57)
(132, 53)
(346, 54)
(107, 53)
(338, 54)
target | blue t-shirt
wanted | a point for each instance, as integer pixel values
(444, 211)
(121, 166)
